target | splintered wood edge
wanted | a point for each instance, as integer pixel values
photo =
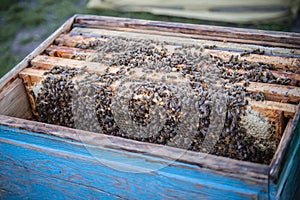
(82, 54)
(280, 63)
(252, 172)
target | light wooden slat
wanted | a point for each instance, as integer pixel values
(77, 53)
(180, 39)
(280, 63)
(48, 62)
(276, 92)
(267, 108)
(13, 73)
(271, 91)
(228, 34)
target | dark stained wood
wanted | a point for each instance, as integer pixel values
(259, 37)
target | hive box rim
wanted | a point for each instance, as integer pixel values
(246, 168)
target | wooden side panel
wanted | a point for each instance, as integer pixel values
(14, 102)
(284, 184)
(38, 166)
(13, 73)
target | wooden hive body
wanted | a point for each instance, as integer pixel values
(40, 160)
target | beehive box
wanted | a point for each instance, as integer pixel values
(123, 108)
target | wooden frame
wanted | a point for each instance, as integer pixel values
(284, 45)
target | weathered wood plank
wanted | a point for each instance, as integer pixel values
(14, 102)
(82, 54)
(277, 160)
(105, 181)
(259, 37)
(47, 62)
(252, 171)
(275, 111)
(170, 37)
(222, 175)
(281, 93)
(271, 91)
(284, 168)
(12, 74)
(283, 145)
(270, 106)
(23, 182)
(76, 163)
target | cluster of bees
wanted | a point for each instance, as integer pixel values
(91, 103)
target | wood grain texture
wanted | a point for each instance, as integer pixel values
(13, 73)
(267, 108)
(251, 172)
(43, 156)
(173, 36)
(83, 54)
(271, 38)
(14, 102)
(271, 91)
(73, 163)
(286, 164)
(280, 93)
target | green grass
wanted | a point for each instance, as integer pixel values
(16, 15)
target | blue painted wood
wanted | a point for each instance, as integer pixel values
(40, 166)
(286, 186)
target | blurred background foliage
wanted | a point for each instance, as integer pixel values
(26, 23)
